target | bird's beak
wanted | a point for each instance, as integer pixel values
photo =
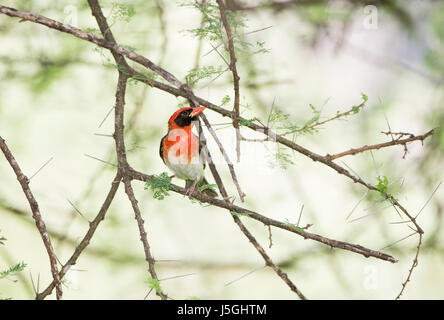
(196, 111)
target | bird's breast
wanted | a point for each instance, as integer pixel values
(181, 154)
(181, 146)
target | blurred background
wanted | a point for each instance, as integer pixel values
(56, 90)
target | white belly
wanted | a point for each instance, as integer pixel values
(187, 171)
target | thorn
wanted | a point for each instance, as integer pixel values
(106, 117)
(430, 198)
(41, 168)
(78, 211)
(300, 215)
(243, 276)
(356, 205)
(104, 135)
(179, 276)
(109, 163)
(399, 241)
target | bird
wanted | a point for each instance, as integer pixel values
(180, 150)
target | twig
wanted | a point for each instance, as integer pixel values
(414, 264)
(320, 123)
(270, 239)
(402, 142)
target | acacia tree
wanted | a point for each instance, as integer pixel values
(221, 26)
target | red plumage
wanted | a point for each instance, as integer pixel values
(180, 150)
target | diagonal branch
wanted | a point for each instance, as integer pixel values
(233, 68)
(88, 236)
(123, 165)
(53, 24)
(251, 238)
(24, 182)
(225, 155)
(271, 222)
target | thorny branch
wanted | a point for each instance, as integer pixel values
(180, 89)
(233, 68)
(24, 182)
(88, 236)
(394, 142)
(251, 238)
(271, 222)
(123, 165)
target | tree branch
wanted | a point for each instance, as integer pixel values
(233, 68)
(239, 223)
(393, 142)
(87, 238)
(183, 90)
(123, 165)
(24, 182)
(268, 221)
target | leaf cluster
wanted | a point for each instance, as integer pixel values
(199, 73)
(160, 185)
(154, 284)
(12, 271)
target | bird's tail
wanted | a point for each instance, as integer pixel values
(204, 185)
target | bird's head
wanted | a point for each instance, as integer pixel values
(184, 117)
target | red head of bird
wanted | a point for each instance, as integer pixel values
(184, 117)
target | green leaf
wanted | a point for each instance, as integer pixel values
(225, 100)
(207, 186)
(382, 185)
(247, 122)
(239, 214)
(293, 226)
(160, 185)
(281, 158)
(19, 267)
(197, 74)
(154, 284)
(121, 12)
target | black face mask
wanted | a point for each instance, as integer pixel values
(184, 119)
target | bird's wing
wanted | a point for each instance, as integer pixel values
(161, 148)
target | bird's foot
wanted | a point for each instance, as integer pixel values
(191, 189)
